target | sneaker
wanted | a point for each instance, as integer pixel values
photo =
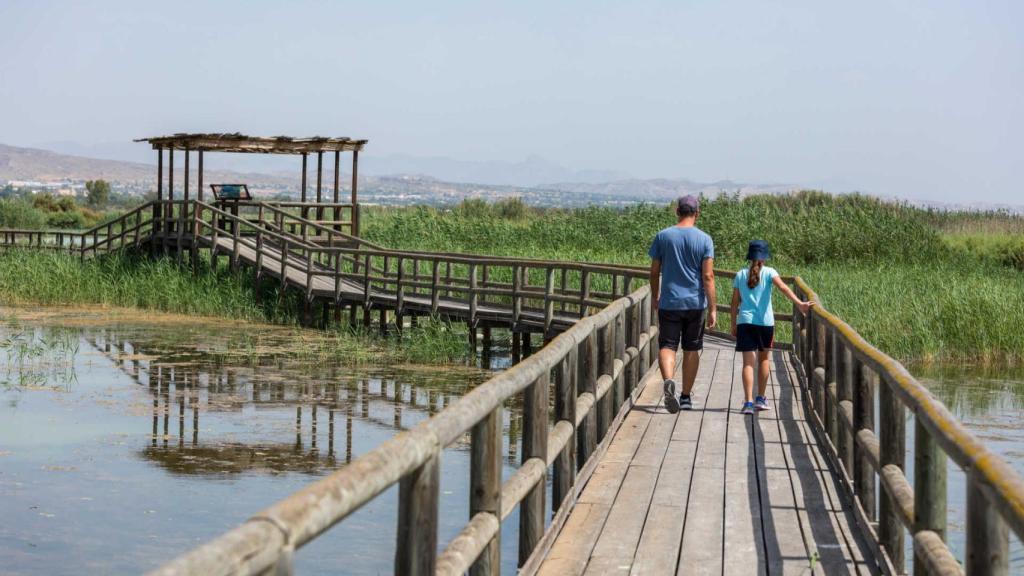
(761, 403)
(671, 404)
(748, 408)
(685, 403)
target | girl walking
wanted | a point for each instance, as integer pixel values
(753, 320)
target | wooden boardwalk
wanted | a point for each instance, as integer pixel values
(711, 491)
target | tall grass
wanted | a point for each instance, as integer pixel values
(888, 269)
(132, 280)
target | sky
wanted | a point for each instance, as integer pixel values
(916, 99)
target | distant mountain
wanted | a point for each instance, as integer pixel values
(532, 172)
(18, 163)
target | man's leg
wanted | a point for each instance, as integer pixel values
(691, 362)
(667, 362)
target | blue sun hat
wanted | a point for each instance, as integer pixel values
(758, 250)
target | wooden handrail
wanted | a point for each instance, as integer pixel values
(845, 371)
(411, 459)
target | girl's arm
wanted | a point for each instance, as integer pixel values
(800, 304)
(735, 308)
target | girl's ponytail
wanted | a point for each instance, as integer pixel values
(754, 277)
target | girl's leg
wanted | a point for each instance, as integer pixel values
(764, 367)
(748, 375)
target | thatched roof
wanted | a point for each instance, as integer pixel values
(253, 144)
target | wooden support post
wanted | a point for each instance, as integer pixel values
(337, 173)
(471, 332)
(844, 393)
(584, 292)
(473, 296)
(605, 366)
(158, 206)
(416, 548)
(383, 321)
(302, 192)
(988, 536)
(355, 186)
(892, 447)
(485, 486)
(929, 487)
(587, 383)
(549, 304)
(565, 411)
(517, 299)
(527, 344)
(170, 199)
(200, 194)
(864, 419)
(619, 352)
(517, 350)
(319, 184)
(535, 445)
(435, 293)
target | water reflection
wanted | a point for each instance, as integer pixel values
(97, 415)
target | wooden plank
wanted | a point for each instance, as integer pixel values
(743, 549)
(570, 552)
(702, 534)
(658, 550)
(617, 544)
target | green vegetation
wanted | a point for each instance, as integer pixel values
(135, 281)
(44, 211)
(98, 193)
(907, 279)
(923, 285)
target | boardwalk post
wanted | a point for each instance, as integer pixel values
(605, 367)
(988, 536)
(517, 300)
(472, 296)
(584, 292)
(893, 442)
(929, 486)
(485, 486)
(416, 548)
(618, 351)
(435, 295)
(586, 372)
(565, 411)
(849, 375)
(535, 445)
(864, 419)
(549, 304)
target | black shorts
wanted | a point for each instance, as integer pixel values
(754, 338)
(685, 325)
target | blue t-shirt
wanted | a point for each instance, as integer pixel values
(682, 251)
(756, 302)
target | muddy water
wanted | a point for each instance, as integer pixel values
(126, 441)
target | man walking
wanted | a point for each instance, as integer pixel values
(682, 287)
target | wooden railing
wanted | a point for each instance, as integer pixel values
(845, 373)
(596, 366)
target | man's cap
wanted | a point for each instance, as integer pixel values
(758, 250)
(688, 203)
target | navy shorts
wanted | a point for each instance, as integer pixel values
(754, 338)
(681, 326)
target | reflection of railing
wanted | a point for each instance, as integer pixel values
(596, 363)
(846, 371)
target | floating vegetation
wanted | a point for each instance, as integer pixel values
(37, 358)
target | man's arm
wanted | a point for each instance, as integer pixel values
(655, 285)
(708, 272)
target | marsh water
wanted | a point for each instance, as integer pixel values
(127, 440)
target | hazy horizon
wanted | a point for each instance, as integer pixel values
(915, 100)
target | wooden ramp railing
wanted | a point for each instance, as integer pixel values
(595, 366)
(844, 374)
